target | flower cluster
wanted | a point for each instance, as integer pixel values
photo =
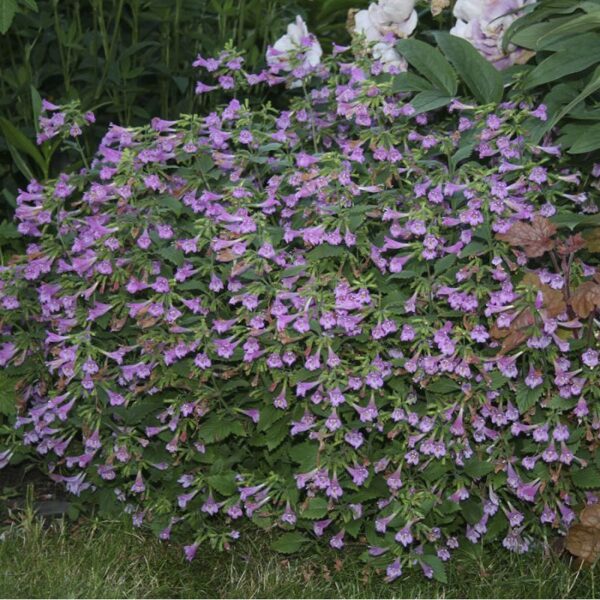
(62, 121)
(341, 318)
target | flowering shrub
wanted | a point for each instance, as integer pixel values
(347, 319)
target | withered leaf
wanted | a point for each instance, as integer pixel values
(584, 542)
(590, 516)
(553, 300)
(516, 334)
(571, 245)
(226, 255)
(535, 239)
(586, 299)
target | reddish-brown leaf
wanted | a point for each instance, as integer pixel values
(586, 299)
(535, 239)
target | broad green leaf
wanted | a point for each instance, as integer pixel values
(563, 63)
(592, 86)
(426, 101)
(529, 37)
(482, 79)
(429, 63)
(288, 543)
(575, 27)
(8, 8)
(409, 82)
(588, 141)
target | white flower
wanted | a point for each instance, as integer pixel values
(394, 16)
(299, 45)
(483, 24)
(382, 23)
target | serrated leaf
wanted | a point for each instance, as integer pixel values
(437, 566)
(224, 484)
(476, 469)
(587, 479)
(288, 543)
(326, 251)
(443, 385)
(526, 397)
(316, 509)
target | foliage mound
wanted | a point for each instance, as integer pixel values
(351, 319)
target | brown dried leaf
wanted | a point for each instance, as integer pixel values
(571, 245)
(584, 542)
(118, 324)
(516, 334)
(586, 299)
(554, 300)
(534, 238)
(590, 516)
(226, 255)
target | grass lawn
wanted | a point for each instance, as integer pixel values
(94, 558)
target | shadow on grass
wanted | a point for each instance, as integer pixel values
(108, 559)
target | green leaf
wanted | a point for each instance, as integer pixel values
(316, 509)
(224, 484)
(444, 385)
(575, 26)
(560, 64)
(18, 140)
(8, 8)
(588, 142)
(444, 264)
(326, 251)
(173, 255)
(426, 101)
(430, 63)
(438, 567)
(471, 510)
(482, 79)
(305, 455)
(288, 543)
(588, 478)
(527, 397)
(478, 468)
(409, 82)
(36, 106)
(474, 249)
(592, 86)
